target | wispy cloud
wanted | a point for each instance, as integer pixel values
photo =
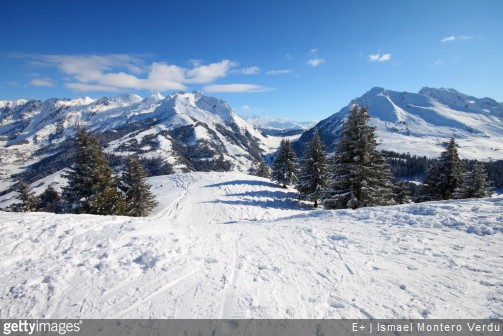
(254, 70)
(235, 88)
(116, 72)
(314, 59)
(314, 62)
(438, 62)
(453, 38)
(278, 72)
(379, 57)
(46, 81)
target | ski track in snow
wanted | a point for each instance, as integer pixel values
(228, 245)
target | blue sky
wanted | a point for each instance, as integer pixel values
(298, 59)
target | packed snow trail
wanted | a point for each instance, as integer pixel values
(228, 245)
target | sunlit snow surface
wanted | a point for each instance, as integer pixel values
(228, 245)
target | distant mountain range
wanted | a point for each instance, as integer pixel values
(420, 123)
(278, 126)
(194, 132)
(191, 131)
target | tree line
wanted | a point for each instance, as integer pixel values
(358, 175)
(92, 186)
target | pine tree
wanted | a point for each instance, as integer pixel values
(445, 177)
(78, 190)
(91, 185)
(475, 184)
(284, 167)
(29, 202)
(313, 177)
(361, 176)
(139, 199)
(480, 185)
(262, 170)
(401, 192)
(49, 200)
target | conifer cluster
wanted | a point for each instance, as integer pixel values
(449, 178)
(93, 187)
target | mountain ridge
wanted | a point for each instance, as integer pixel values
(195, 132)
(420, 123)
(190, 131)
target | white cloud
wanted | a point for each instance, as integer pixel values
(235, 88)
(208, 73)
(379, 57)
(314, 59)
(42, 82)
(254, 70)
(452, 38)
(117, 72)
(278, 72)
(314, 62)
(164, 77)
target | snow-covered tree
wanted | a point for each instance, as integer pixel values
(475, 184)
(313, 177)
(49, 200)
(360, 175)
(29, 202)
(139, 199)
(262, 170)
(91, 185)
(284, 167)
(445, 176)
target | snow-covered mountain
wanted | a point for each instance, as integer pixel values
(282, 126)
(189, 130)
(420, 123)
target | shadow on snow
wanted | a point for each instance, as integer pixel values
(248, 182)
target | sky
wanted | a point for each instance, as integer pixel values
(303, 60)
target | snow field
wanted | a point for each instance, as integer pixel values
(229, 245)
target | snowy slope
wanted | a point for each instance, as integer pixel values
(420, 123)
(228, 245)
(190, 130)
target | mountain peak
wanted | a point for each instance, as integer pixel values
(439, 92)
(156, 96)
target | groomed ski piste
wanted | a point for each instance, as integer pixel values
(229, 245)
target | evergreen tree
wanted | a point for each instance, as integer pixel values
(49, 200)
(313, 177)
(401, 192)
(284, 167)
(91, 185)
(361, 176)
(475, 184)
(78, 190)
(262, 170)
(156, 166)
(139, 199)
(29, 202)
(445, 176)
